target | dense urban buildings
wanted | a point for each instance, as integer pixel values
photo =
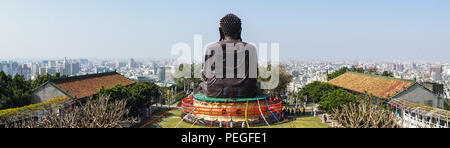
(304, 71)
(416, 83)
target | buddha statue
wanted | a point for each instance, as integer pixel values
(230, 65)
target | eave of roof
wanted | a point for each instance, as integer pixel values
(60, 80)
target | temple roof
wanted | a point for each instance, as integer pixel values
(88, 85)
(378, 86)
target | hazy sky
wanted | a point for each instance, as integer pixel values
(147, 29)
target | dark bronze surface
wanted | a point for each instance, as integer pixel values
(235, 87)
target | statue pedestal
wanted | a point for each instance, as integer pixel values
(215, 111)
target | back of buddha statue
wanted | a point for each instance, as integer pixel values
(231, 70)
(231, 66)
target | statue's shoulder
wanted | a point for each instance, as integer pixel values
(221, 44)
(213, 45)
(245, 44)
(248, 45)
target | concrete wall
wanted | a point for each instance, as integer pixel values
(420, 95)
(45, 93)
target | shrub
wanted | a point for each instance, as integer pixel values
(99, 114)
(364, 115)
(180, 96)
(16, 113)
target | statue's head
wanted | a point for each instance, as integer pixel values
(230, 26)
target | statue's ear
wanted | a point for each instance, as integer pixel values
(222, 35)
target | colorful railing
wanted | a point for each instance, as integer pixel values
(192, 106)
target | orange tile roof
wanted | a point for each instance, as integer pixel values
(378, 86)
(88, 85)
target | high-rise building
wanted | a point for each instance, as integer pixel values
(435, 69)
(121, 64)
(51, 71)
(35, 68)
(84, 61)
(100, 69)
(414, 65)
(155, 69)
(162, 74)
(75, 68)
(436, 76)
(66, 67)
(132, 63)
(59, 69)
(51, 64)
(42, 70)
(44, 63)
(24, 70)
(14, 65)
(399, 67)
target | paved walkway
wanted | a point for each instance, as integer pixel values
(319, 114)
(330, 121)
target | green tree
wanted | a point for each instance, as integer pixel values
(337, 73)
(14, 92)
(387, 74)
(179, 96)
(355, 68)
(372, 70)
(137, 96)
(183, 81)
(446, 106)
(118, 92)
(315, 90)
(336, 99)
(44, 78)
(283, 80)
(142, 94)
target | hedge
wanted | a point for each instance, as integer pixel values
(15, 113)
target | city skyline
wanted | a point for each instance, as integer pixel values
(141, 29)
